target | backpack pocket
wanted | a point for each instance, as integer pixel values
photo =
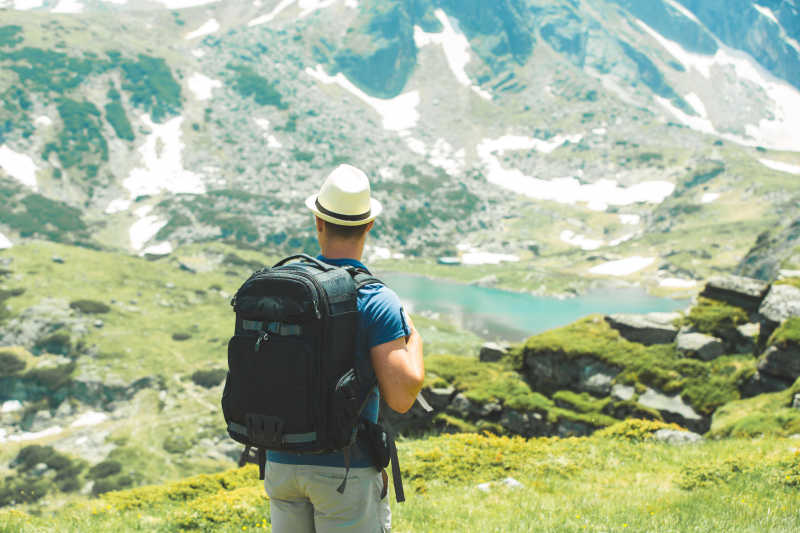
(269, 380)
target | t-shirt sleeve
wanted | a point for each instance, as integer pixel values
(384, 318)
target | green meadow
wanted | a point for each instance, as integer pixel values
(620, 479)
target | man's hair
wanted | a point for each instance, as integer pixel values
(345, 233)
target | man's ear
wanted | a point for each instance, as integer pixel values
(369, 226)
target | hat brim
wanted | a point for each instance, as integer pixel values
(375, 209)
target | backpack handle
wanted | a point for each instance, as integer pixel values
(307, 258)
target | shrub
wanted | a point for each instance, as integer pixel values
(30, 456)
(247, 83)
(703, 476)
(177, 444)
(15, 490)
(105, 469)
(59, 343)
(111, 483)
(90, 307)
(11, 363)
(209, 378)
(634, 429)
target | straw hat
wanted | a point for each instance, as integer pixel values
(344, 198)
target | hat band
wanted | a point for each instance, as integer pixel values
(351, 218)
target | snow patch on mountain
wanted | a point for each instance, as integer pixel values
(456, 50)
(767, 12)
(4, 245)
(630, 219)
(24, 5)
(697, 104)
(68, 6)
(780, 166)
(210, 26)
(677, 283)
(90, 418)
(780, 132)
(182, 4)
(474, 256)
(272, 141)
(263, 19)
(709, 198)
(203, 86)
(398, 113)
(568, 190)
(19, 166)
(43, 121)
(685, 12)
(117, 206)
(700, 124)
(584, 243)
(145, 228)
(623, 267)
(162, 153)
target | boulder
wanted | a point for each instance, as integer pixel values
(645, 329)
(548, 372)
(492, 351)
(574, 428)
(439, 397)
(746, 293)
(674, 436)
(700, 345)
(622, 392)
(674, 409)
(781, 362)
(460, 406)
(782, 302)
(762, 383)
(746, 337)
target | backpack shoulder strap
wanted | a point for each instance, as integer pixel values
(363, 277)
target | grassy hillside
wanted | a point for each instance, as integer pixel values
(621, 480)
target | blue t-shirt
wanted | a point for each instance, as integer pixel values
(381, 320)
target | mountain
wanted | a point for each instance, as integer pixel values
(571, 137)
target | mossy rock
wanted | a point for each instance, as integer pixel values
(788, 333)
(112, 483)
(716, 318)
(635, 429)
(90, 307)
(14, 360)
(581, 403)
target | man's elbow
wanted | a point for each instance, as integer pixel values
(403, 401)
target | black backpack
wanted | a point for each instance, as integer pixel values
(293, 384)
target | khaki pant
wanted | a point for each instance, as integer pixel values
(303, 499)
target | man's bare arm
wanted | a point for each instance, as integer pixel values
(400, 370)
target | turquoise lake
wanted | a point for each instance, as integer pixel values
(499, 314)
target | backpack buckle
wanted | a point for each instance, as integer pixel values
(266, 431)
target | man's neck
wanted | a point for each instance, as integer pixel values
(343, 250)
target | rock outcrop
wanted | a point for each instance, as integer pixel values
(746, 293)
(699, 345)
(782, 302)
(653, 328)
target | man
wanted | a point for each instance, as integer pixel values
(302, 488)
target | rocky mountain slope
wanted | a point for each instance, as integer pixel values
(537, 134)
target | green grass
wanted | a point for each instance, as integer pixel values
(600, 483)
(765, 414)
